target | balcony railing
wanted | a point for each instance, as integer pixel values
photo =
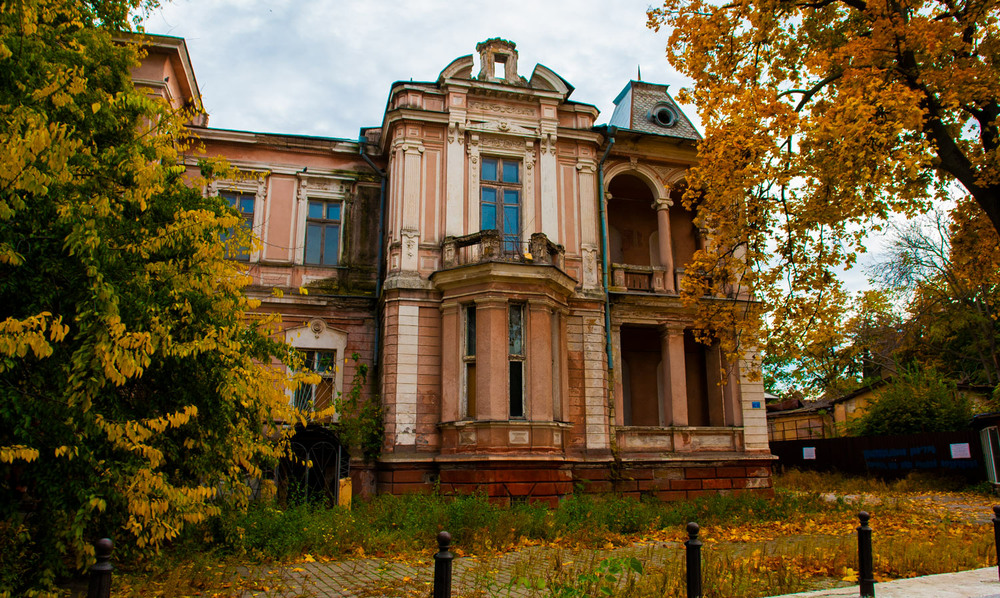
(492, 246)
(653, 279)
(647, 279)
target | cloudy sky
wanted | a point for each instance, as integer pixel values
(324, 67)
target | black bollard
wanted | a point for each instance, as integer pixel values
(693, 546)
(100, 572)
(442, 567)
(996, 534)
(866, 574)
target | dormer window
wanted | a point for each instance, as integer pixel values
(663, 115)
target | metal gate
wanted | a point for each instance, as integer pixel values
(314, 467)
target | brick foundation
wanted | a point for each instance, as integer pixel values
(678, 481)
(548, 482)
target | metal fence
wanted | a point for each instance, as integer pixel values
(888, 456)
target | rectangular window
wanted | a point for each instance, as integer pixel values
(244, 204)
(500, 200)
(323, 233)
(469, 357)
(317, 396)
(515, 359)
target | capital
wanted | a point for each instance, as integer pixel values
(662, 203)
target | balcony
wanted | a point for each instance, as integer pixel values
(492, 246)
(643, 279)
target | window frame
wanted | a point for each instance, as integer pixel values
(256, 185)
(326, 224)
(234, 199)
(316, 335)
(469, 401)
(327, 377)
(319, 187)
(516, 403)
(512, 243)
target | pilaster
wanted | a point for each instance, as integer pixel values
(549, 176)
(451, 362)
(472, 150)
(539, 362)
(491, 359)
(455, 201)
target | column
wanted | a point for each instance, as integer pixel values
(675, 374)
(662, 207)
(731, 394)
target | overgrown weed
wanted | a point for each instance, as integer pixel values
(754, 545)
(838, 483)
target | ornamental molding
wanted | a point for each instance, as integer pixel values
(502, 108)
(318, 186)
(504, 143)
(502, 127)
(317, 327)
(670, 176)
(456, 132)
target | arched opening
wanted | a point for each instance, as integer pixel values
(631, 221)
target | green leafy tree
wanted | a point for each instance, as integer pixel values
(360, 420)
(135, 390)
(950, 285)
(914, 402)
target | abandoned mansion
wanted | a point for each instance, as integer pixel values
(508, 269)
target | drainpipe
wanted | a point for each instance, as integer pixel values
(604, 245)
(378, 267)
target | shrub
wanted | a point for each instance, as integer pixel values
(917, 401)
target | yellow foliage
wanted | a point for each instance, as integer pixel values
(823, 119)
(17, 452)
(124, 324)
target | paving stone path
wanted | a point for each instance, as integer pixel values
(499, 576)
(472, 577)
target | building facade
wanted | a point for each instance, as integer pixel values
(510, 271)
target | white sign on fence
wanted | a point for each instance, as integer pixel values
(809, 452)
(961, 451)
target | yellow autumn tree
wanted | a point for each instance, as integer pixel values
(133, 399)
(822, 119)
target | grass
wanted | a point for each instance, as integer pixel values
(914, 482)
(801, 539)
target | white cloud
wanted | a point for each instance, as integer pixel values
(324, 67)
